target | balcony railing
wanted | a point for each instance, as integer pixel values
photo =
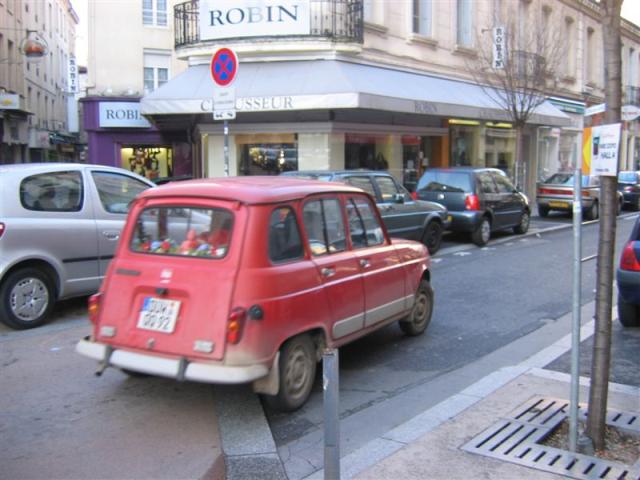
(631, 95)
(337, 20)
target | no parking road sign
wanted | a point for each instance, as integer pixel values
(224, 67)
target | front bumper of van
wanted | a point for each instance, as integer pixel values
(178, 368)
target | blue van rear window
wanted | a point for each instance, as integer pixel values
(442, 181)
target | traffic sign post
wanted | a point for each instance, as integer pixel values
(224, 69)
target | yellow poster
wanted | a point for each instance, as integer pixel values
(587, 143)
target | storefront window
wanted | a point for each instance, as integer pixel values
(366, 151)
(464, 140)
(416, 154)
(485, 144)
(265, 154)
(150, 162)
(500, 148)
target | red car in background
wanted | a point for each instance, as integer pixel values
(248, 279)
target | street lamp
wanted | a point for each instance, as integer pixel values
(34, 47)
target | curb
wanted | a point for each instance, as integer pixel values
(392, 441)
(248, 449)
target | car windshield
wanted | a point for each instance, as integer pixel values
(627, 177)
(445, 181)
(565, 179)
(184, 231)
(310, 175)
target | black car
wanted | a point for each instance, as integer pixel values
(629, 186)
(628, 278)
(479, 200)
(402, 215)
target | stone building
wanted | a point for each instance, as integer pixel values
(38, 81)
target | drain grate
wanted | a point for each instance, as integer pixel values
(517, 439)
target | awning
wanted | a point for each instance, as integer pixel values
(333, 84)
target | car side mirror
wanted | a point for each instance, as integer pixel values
(398, 198)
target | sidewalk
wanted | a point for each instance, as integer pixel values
(429, 446)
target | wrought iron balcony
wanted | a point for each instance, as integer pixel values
(336, 20)
(631, 95)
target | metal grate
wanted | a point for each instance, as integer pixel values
(517, 439)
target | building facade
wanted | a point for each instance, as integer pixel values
(38, 81)
(139, 60)
(342, 84)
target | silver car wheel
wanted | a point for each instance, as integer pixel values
(29, 299)
(485, 231)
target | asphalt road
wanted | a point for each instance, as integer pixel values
(494, 307)
(486, 299)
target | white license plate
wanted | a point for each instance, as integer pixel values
(159, 315)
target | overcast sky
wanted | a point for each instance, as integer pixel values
(630, 11)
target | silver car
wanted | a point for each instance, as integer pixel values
(59, 227)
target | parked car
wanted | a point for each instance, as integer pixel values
(629, 187)
(556, 193)
(480, 200)
(247, 279)
(628, 278)
(59, 226)
(403, 216)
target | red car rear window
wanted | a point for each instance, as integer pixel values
(183, 231)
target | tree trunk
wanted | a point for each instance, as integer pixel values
(601, 358)
(519, 171)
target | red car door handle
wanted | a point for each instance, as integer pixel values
(364, 263)
(328, 272)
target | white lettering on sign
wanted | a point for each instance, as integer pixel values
(264, 103)
(122, 115)
(254, 104)
(253, 18)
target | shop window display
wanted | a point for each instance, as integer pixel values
(364, 151)
(150, 162)
(267, 154)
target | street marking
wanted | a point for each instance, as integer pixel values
(462, 254)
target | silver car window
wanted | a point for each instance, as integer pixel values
(52, 192)
(116, 191)
(388, 188)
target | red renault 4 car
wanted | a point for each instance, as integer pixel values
(247, 279)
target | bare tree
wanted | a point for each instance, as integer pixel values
(601, 359)
(519, 83)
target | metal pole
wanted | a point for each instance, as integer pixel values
(575, 335)
(330, 387)
(226, 148)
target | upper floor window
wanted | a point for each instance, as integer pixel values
(154, 12)
(422, 17)
(367, 10)
(632, 68)
(570, 36)
(156, 70)
(465, 22)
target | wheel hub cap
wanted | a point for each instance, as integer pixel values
(29, 299)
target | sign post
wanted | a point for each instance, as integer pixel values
(224, 69)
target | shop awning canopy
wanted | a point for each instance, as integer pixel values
(334, 84)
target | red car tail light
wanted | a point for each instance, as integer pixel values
(235, 325)
(629, 259)
(94, 307)
(472, 202)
